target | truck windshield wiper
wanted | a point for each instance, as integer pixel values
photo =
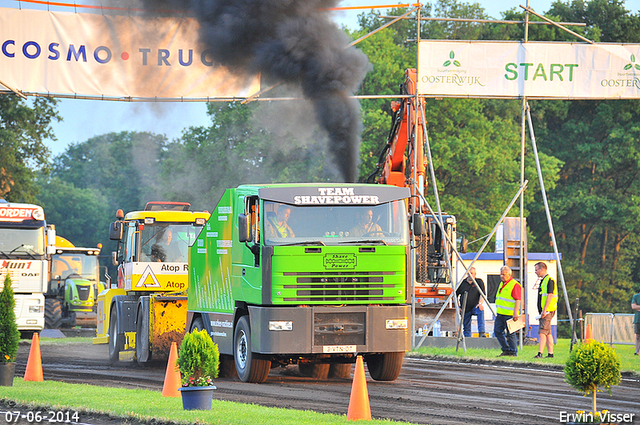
(26, 251)
(304, 243)
(5, 254)
(368, 241)
(16, 248)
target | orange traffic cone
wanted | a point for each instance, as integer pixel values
(359, 408)
(589, 335)
(172, 375)
(33, 372)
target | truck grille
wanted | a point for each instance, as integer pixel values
(339, 328)
(83, 292)
(340, 287)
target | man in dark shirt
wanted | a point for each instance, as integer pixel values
(474, 303)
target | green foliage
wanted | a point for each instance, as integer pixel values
(591, 366)
(198, 359)
(9, 334)
(23, 129)
(79, 214)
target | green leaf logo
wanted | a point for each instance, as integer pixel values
(632, 64)
(453, 61)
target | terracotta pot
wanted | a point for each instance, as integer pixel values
(7, 372)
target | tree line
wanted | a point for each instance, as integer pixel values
(589, 151)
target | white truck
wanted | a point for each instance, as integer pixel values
(26, 245)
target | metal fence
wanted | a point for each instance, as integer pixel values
(611, 328)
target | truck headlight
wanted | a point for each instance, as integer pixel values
(280, 325)
(36, 309)
(397, 323)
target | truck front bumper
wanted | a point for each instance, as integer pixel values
(329, 330)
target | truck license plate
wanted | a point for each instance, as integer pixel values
(339, 349)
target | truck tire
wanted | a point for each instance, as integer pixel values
(52, 313)
(249, 368)
(197, 324)
(340, 370)
(143, 355)
(385, 366)
(314, 370)
(116, 342)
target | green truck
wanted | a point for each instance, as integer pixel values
(306, 274)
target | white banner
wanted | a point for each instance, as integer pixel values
(535, 69)
(91, 55)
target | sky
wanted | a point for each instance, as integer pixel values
(83, 119)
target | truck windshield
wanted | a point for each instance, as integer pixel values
(74, 265)
(167, 242)
(384, 224)
(21, 241)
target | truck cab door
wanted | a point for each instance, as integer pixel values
(246, 259)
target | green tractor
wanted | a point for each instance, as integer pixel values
(74, 286)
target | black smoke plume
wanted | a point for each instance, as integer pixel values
(291, 42)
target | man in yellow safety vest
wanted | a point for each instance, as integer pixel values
(547, 306)
(508, 301)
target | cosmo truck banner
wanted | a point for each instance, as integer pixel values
(534, 69)
(96, 56)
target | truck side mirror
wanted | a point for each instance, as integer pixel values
(462, 244)
(114, 258)
(244, 228)
(51, 236)
(419, 224)
(115, 231)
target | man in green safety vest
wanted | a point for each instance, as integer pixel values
(547, 306)
(508, 301)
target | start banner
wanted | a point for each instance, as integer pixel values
(93, 55)
(541, 70)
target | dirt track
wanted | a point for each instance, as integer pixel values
(427, 391)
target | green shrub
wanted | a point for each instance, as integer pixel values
(591, 366)
(198, 359)
(9, 334)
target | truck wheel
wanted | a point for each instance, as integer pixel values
(314, 370)
(340, 370)
(197, 324)
(52, 313)
(116, 342)
(248, 367)
(143, 354)
(385, 366)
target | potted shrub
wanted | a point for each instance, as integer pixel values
(198, 363)
(589, 367)
(9, 334)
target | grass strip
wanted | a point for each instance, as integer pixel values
(628, 362)
(147, 406)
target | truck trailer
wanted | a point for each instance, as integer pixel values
(306, 274)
